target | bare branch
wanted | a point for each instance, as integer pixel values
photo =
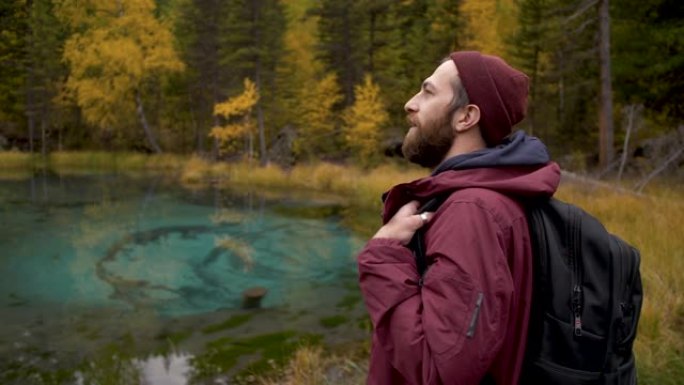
(581, 10)
(629, 112)
(674, 156)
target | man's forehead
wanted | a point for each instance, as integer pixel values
(444, 74)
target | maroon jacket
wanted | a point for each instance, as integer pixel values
(469, 316)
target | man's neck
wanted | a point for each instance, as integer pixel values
(464, 144)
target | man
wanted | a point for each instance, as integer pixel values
(465, 319)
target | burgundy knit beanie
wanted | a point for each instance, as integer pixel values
(499, 90)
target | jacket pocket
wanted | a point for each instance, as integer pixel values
(451, 308)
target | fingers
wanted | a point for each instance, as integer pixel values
(411, 210)
(405, 223)
(408, 209)
(426, 216)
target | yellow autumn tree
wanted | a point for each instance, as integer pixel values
(490, 23)
(363, 122)
(299, 64)
(237, 111)
(115, 47)
(316, 134)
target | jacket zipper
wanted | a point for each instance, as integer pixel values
(422, 276)
(476, 314)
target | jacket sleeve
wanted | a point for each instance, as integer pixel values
(449, 329)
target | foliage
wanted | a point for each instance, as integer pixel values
(68, 66)
(317, 135)
(647, 55)
(14, 25)
(114, 48)
(237, 111)
(489, 23)
(363, 121)
(230, 323)
(298, 66)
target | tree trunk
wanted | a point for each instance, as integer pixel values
(371, 45)
(30, 94)
(215, 142)
(606, 104)
(263, 157)
(630, 122)
(43, 136)
(31, 124)
(146, 126)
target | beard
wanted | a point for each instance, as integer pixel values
(427, 144)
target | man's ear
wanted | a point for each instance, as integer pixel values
(465, 118)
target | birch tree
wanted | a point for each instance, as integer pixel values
(115, 48)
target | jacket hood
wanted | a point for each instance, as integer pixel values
(519, 168)
(518, 149)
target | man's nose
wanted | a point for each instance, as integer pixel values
(411, 105)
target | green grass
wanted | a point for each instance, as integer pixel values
(174, 338)
(273, 350)
(349, 301)
(230, 323)
(333, 321)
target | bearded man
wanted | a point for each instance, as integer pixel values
(463, 320)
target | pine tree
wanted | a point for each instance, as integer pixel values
(298, 67)
(648, 54)
(14, 26)
(556, 46)
(251, 46)
(45, 68)
(317, 136)
(202, 85)
(342, 46)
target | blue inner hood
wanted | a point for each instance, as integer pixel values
(518, 149)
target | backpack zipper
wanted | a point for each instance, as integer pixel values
(626, 306)
(576, 261)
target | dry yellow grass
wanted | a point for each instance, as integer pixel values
(362, 187)
(12, 160)
(90, 161)
(310, 365)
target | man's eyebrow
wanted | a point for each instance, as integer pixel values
(429, 84)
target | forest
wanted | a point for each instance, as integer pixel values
(286, 81)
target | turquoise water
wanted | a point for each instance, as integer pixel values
(86, 260)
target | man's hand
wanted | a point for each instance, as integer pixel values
(404, 223)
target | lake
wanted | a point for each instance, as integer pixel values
(137, 280)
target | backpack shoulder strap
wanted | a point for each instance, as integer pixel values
(417, 244)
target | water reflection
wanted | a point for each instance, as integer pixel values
(172, 369)
(132, 272)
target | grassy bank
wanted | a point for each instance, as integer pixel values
(21, 163)
(653, 223)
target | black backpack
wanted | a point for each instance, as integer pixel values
(586, 299)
